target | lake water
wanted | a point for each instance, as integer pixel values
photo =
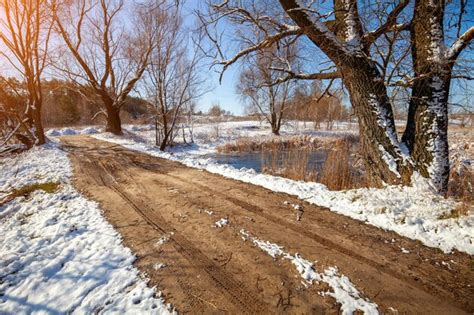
(255, 160)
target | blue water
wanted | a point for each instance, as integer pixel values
(254, 160)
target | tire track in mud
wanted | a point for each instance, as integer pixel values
(256, 210)
(235, 291)
(326, 242)
(118, 169)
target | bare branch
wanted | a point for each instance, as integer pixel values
(305, 76)
(370, 37)
(265, 43)
(460, 44)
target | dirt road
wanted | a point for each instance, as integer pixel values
(166, 214)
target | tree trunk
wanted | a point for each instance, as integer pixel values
(426, 133)
(275, 128)
(164, 142)
(34, 119)
(158, 132)
(384, 160)
(275, 131)
(39, 130)
(274, 123)
(166, 129)
(114, 125)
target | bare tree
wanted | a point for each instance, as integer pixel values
(14, 120)
(258, 85)
(216, 110)
(312, 103)
(171, 81)
(110, 42)
(348, 43)
(25, 31)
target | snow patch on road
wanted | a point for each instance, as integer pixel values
(343, 291)
(221, 223)
(57, 253)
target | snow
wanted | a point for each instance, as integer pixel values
(436, 145)
(459, 44)
(414, 212)
(437, 46)
(404, 250)
(164, 239)
(384, 120)
(352, 36)
(56, 132)
(159, 266)
(343, 291)
(390, 161)
(221, 223)
(57, 253)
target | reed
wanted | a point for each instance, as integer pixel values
(283, 143)
(337, 172)
(461, 185)
(293, 164)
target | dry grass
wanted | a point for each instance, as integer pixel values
(340, 170)
(337, 172)
(306, 142)
(26, 191)
(294, 164)
(461, 185)
(461, 210)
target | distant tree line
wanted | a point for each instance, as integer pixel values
(66, 104)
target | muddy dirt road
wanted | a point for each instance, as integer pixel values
(166, 214)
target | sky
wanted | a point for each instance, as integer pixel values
(222, 93)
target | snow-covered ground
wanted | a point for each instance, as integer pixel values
(414, 212)
(58, 254)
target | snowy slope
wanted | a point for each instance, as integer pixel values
(57, 253)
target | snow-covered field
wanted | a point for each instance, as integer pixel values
(58, 254)
(414, 212)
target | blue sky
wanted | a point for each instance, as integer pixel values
(224, 92)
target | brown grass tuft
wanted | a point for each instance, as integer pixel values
(27, 190)
(461, 210)
(283, 144)
(294, 164)
(338, 171)
(461, 185)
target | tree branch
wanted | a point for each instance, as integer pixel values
(369, 38)
(305, 76)
(265, 43)
(316, 31)
(460, 44)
